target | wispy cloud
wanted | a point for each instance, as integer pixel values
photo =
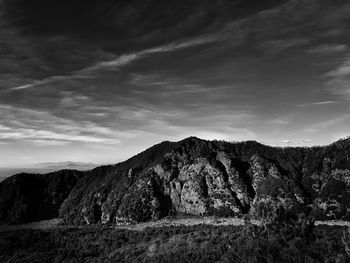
(319, 103)
(279, 45)
(327, 124)
(42, 136)
(324, 102)
(328, 49)
(120, 61)
(42, 127)
(170, 86)
(338, 80)
(26, 86)
(342, 71)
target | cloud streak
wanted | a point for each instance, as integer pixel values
(120, 61)
(35, 126)
(328, 49)
(338, 80)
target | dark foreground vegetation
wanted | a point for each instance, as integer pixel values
(294, 240)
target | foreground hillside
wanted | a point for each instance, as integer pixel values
(199, 177)
(200, 243)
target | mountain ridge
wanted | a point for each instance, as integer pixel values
(199, 177)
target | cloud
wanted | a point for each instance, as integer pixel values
(319, 103)
(48, 142)
(50, 137)
(42, 127)
(324, 102)
(120, 61)
(328, 49)
(342, 71)
(27, 58)
(26, 86)
(171, 86)
(279, 45)
(328, 124)
(61, 126)
(338, 80)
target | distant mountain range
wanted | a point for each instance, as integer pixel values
(193, 176)
(46, 168)
(66, 164)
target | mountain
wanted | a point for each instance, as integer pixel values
(42, 168)
(193, 176)
(65, 164)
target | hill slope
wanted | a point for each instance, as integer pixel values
(201, 177)
(33, 197)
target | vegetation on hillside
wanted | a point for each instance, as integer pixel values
(283, 236)
(200, 243)
(318, 176)
(33, 197)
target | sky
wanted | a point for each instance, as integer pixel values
(100, 81)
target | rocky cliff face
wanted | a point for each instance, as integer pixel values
(198, 177)
(198, 186)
